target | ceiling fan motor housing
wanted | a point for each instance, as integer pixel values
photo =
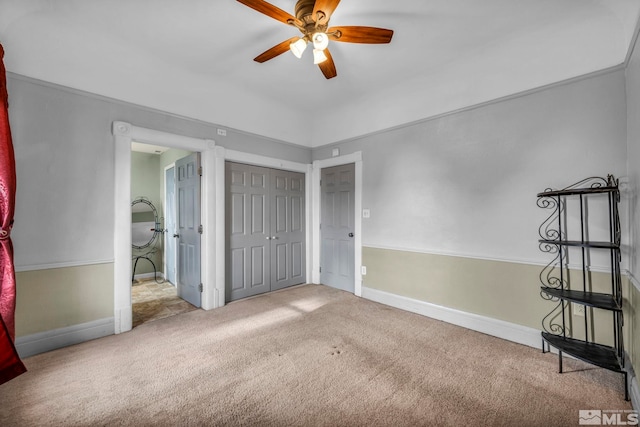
(304, 13)
(304, 9)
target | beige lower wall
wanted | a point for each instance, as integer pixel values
(61, 297)
(500, 290)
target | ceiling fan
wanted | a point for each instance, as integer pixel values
(312, 19)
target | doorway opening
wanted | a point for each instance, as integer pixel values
(124, 134)
(353, 244)
(157, 291)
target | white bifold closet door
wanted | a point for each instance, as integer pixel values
(265, 230)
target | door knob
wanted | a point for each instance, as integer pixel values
(268, 238)
(275, 238)
(350, 234)
(176, 235)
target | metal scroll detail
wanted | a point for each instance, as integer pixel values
(551, 275)
(549, 229)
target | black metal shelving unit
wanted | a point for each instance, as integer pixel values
(558, 325)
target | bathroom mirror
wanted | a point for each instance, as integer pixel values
(145, 227)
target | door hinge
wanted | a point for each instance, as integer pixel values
(200, 287)
(200, 229)
(320, 269)
(200, 170)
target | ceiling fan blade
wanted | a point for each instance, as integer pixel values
(357, 34)
(278, 49)
(328, 67)
(270, 10)
(326, 7)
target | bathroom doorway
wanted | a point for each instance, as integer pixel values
(155, 288)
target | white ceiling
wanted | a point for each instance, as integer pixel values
(195, 57)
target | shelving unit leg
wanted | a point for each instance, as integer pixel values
(559, 362)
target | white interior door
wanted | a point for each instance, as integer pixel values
(170, 252)
(337, 213)
(189, 228)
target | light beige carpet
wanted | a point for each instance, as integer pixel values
(309, 355)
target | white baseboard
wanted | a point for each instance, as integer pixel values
(57, 338)
(634, 392)
(142, 276)
(634, 389)
(487, 325)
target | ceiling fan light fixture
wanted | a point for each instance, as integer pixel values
(320, 40)
(298, 47)
(318, 56)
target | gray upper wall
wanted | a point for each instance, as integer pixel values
(65, 168)
(633, 137)
(465, 184)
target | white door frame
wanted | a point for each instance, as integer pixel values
(318, 165)
(213, 212)
(167, 232)
(223, 155)
(125, 133)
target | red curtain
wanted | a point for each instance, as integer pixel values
(10, 364)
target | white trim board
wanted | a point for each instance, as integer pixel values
(487, 325)
(57, 338)
(71, 264)
(538, 263)
(264, 161)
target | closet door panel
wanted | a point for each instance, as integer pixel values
(247, 231)
(265, 230)
(287, 219)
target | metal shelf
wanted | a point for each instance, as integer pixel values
(556, 238)
(596, 354)
(578, 243)
(577, 191)
(592, 299)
